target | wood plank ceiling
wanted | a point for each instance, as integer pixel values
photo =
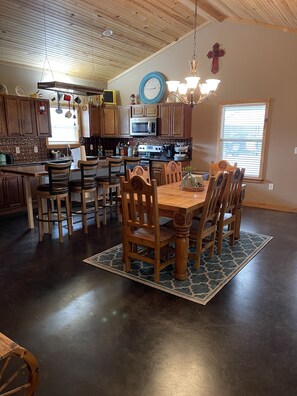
(67, 35)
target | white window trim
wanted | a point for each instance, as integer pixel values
(265, 101)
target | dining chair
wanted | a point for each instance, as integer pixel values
(221, 166)
(86, 186)
(203, 230)
(171, 172)
(139, 171)
(110, 186)
(51, 193)
(227, 217)
(143, 238)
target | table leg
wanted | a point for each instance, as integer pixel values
(28, 195)
(182, 223)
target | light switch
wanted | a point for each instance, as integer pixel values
(35, 149)
(17, 150)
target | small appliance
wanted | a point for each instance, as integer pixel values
(150, 151)
(143, 126)
(2, 159)
(9, 159)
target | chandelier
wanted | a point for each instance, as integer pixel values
(186, 92)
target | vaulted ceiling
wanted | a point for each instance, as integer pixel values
(67, 35)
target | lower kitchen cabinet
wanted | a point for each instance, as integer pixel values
(11, 193)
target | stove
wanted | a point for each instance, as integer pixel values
(150, 151)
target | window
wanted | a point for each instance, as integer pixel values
(64, 130)
(242, 136)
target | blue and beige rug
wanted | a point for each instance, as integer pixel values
(201, 285)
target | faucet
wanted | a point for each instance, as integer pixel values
(68, 151)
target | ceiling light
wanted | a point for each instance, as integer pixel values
(186, 92)
(107, 33)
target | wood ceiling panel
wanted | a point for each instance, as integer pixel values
(69, 32)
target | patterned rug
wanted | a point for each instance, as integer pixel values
(201, 285)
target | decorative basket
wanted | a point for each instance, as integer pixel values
(193, 189)
(192, 183)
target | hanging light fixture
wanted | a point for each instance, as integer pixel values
(186, 92)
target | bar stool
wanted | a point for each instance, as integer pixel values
(110, 186)
(56, 190)
(86, 186)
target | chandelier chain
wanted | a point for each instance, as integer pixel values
(195, 31)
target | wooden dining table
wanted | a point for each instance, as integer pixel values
(180, 206)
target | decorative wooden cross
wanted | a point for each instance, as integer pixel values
(215, 54)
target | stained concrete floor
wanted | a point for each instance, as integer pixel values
(98, 334)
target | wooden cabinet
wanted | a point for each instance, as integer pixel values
(143, 110)
(175, 120)
(124, 115)
(20, 116)
(94, 120)
(11, 193)
(3, 129)
(109, 121)
(43, 117)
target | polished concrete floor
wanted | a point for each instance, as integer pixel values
(98, 334)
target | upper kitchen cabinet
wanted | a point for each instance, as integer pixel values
(109, 121)
(94, 120)
(175, 120)
(142, 110)
(43, 119)
(124, 115)
(20, 116)
(3, 129)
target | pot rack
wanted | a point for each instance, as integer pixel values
(71, 88)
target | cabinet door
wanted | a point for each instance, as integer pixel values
(164, 121)
(43, 117)
(14, 190)
(124, 115)
(12, 115)
(3, 129)
(137, 111)
(151, 110)
(27, 117)
(95, 124)
(143, 110)
(109, 117)
(2, 193)
(181, 120)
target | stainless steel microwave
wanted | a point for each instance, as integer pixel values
(143, 126)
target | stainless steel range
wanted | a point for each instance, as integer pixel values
(150, 151)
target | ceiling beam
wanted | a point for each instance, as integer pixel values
(205, 9)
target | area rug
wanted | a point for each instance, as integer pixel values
(202, 285)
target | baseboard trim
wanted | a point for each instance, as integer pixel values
(270, 206)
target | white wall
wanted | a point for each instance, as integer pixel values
(259, 63)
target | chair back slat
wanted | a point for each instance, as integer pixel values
(114, 169)
(232, 195)
(171, 172)
(88, 171)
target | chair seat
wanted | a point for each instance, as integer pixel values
(165, 234)
(56, 189)
(88, 184)
(112, 180)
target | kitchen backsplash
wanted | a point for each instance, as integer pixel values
(26, 148)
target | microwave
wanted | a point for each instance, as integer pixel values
(143, 126)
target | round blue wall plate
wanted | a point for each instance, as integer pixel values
(152, 88)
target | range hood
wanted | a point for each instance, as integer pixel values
(69, 88)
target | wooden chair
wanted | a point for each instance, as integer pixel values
(110, 186)
(86, 186)
(171, 172)
(139, 171)
(18, 369)
(221, 166)
(55, 191)
(227, 218)
(143, 238)
(203, 231)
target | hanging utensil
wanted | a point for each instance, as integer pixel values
(58, 109)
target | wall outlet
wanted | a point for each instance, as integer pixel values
(295, 150)
(17, 150)
(92, 147)
(35, 149)
(270, 186)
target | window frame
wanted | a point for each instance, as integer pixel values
(65, 106)
(266, 101)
